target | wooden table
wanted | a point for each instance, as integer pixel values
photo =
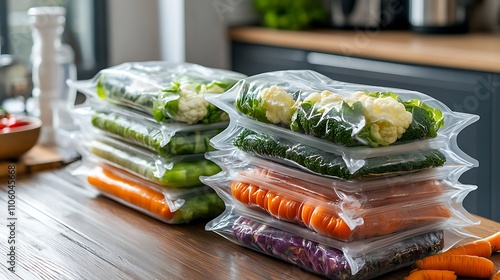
(67, 232)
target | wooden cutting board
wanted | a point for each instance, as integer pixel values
(37, 159)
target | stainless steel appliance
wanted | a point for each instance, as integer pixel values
(360, 14)
(439, 16)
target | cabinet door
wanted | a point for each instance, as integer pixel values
(254, 59)
(463, 91)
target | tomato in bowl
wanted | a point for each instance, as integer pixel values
(18, 134)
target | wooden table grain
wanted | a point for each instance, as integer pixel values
(67, 232)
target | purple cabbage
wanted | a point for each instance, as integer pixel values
(330, 262)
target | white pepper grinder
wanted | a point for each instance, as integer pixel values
(47, 25)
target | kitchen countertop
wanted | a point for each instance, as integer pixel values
(473, 51)
(67, 232)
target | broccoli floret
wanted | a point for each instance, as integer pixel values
(332, 125)
(330, 164)
(402, 163)
(258, 143)
(421, 125)
(297, 154)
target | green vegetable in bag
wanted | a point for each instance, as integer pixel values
(207, 205)
(365, 118)
(182, 174)
(182, 143)
(321, 162)
(181, 98)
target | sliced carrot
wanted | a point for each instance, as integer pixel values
(240, 191)
(257, 196)
(431, 275)
(480, 248)
(329, 224)
(376, 197)
(305, 213)
(272, 204)
(462, 265)
(131, 192)
(288, 210)
(494, 241)
(325, 218)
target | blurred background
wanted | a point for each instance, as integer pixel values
(246, 36)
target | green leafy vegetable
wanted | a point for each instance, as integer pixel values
(335, 125)
(325, 163)
(207, 205)
(177, 97)
(365, 118)
(426, 121)
(291, 14)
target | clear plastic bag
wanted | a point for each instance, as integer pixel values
(329, 216)
(241, 167)
(333, 115)
(174, 172)
(172, 206)
(347, 165)
(329, 257)
(165, 139)
(166, 91)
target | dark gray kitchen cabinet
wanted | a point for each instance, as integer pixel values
(465, 91)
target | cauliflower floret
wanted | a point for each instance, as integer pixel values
(314, 97)
(388, 117)
(192, 106)
(326, 99)
(278, 103)
(212, 89)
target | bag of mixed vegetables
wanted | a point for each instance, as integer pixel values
(173, 172)
(325, 256)
(166, 91)
(348, 115)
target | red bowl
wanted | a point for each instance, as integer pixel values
(18, 140)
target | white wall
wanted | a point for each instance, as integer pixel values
(175, 30)
(195, 30)
(133, 31)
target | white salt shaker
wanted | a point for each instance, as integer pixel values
(47, 24)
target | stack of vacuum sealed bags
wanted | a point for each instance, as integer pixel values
(343, 180)
(145, 128)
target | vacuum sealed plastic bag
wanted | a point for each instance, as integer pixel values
(328, 216)
(168, 205)
(348, 115)
(329, 257)
(238, 166)
(166, 91)
(173, 172)
(293, 152)
(166, 139)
